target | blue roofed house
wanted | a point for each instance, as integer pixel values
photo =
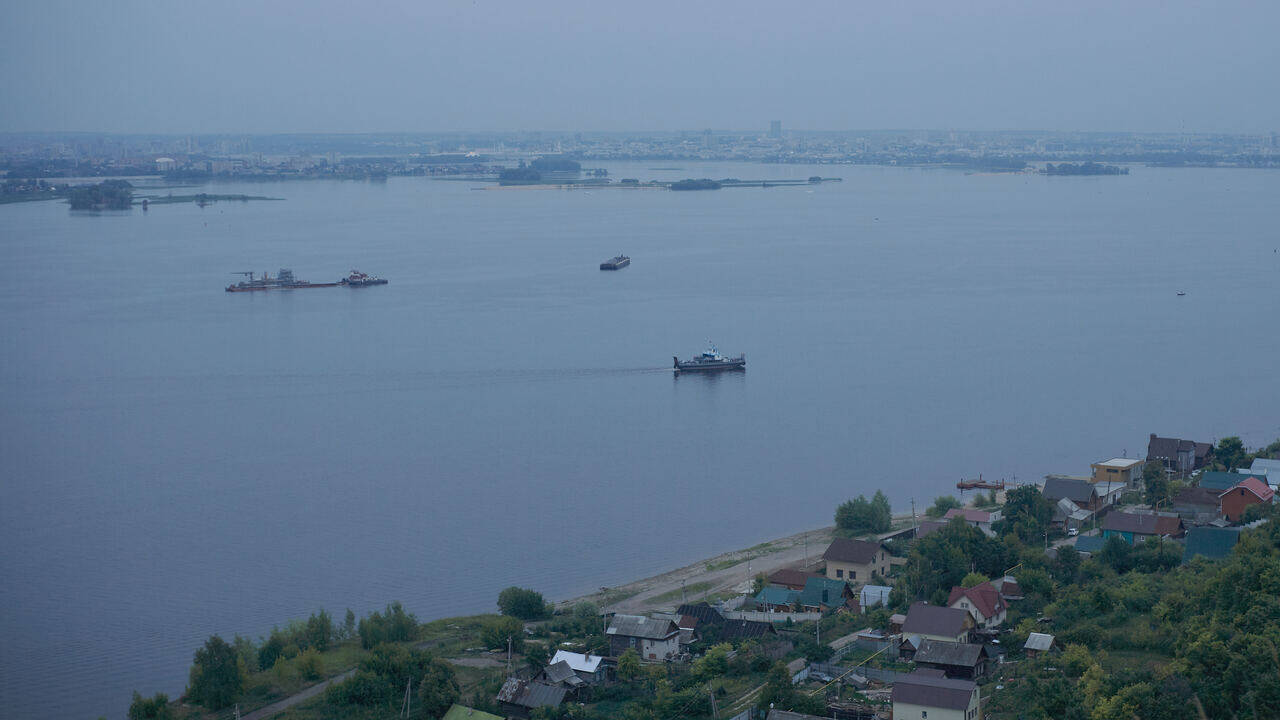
(1135, 528)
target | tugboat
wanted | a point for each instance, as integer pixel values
(359, 279)
(282, 281)
(615, 263)
(710, 361)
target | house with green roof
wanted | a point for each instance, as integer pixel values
(462, 712)
(1211, 543)
(1221, 481)
(776, 599)
(822, 594)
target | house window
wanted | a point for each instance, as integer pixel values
(839, 574)
(853, 574)
(924, 713)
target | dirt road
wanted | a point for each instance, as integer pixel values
(731, 572)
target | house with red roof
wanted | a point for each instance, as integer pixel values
(983, 602)
(980, 519)
(1250, 491)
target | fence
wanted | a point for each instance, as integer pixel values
(870, 673)
(774, 617)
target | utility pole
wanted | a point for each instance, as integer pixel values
(508, 654)
(683, 599)
(715, 711)
(913, 511)
(407, 707)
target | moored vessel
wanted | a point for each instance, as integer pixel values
(284, 280)
(710, 361)
(359, 279)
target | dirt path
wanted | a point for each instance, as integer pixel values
(282, 705)
(730, 572)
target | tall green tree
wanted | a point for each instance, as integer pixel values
(522, 603)
(941, 505)
(217, 675)
(861, 516)
(1155, 482)
(152, 708)
(629, 665)
(1026, 515)
(1229, 453)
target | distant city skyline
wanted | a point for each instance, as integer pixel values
(477, 66)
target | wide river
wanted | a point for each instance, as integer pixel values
(178, 461)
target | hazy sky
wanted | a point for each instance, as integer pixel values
(432, 65)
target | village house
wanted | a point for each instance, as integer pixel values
(967, 661)
(871, 595)
(652, 639)
(823, 595)
(1250, 491)
(1078, 490)
(590, 668)
(519, 698)
(856, 560)
(1180, 456)
(1264, 469)
(982, 601)
(980, 519)
(776, 599)
(1210, 543)
(1136, 528)
(1009, 588)
(1126, 471)
(462, 712)
(1069, 516)
(790, 578)
(1219, 480)
(1197, 505)
(933, 622)
(929, 695)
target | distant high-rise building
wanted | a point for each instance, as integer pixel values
(775, 128)
(706, 139)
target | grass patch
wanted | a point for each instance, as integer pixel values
(688, 590)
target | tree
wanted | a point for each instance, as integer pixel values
(629, 665)
(349, 625)
(973, 579)
(309, 665)
(217, 675)
(713, 664)
(153, 708)
(1229, 453)
(522, 603)
(941, 505)
(271, 650)
(394, 625)
(861, 516)
(319, 631)
(1026, 515)
(497, 630)
(1155, 481)
(537, 656)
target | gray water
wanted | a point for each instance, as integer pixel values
(178, 461)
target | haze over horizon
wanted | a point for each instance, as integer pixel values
(133, 67)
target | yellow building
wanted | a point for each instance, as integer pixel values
(854, 560)
(1125, 471)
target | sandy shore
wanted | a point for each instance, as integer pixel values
(729, 573)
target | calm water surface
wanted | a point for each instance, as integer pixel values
(177, 461)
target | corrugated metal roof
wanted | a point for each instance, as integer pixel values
(578, 661)
(641, 627)
(938, 652)
(1210, 542)
(1038, 641)
(772, 595)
